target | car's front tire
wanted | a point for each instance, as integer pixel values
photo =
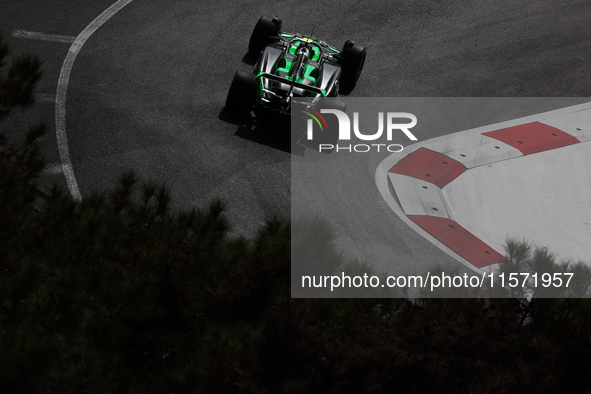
(242, 93)
(263, 33)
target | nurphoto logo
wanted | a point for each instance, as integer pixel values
(391, 119)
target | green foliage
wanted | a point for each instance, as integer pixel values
(120, 293)
(524, 258)
(17, 83)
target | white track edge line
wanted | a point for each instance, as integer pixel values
(62, 90)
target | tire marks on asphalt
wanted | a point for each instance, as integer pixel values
(32, 35)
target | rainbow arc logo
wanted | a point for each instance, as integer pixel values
(317, 116)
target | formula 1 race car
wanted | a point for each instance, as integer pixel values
(291, 66)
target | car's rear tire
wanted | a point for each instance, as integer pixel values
(352, 61)
(263, 33)
(242, 93)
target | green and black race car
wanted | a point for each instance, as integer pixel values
(292, 66)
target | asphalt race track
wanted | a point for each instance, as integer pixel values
(147, 89)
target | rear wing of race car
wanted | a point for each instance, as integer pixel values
(298, 85)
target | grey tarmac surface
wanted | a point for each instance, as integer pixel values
(148, 88)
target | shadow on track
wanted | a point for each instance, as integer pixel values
(274, 130)
(265, 128)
